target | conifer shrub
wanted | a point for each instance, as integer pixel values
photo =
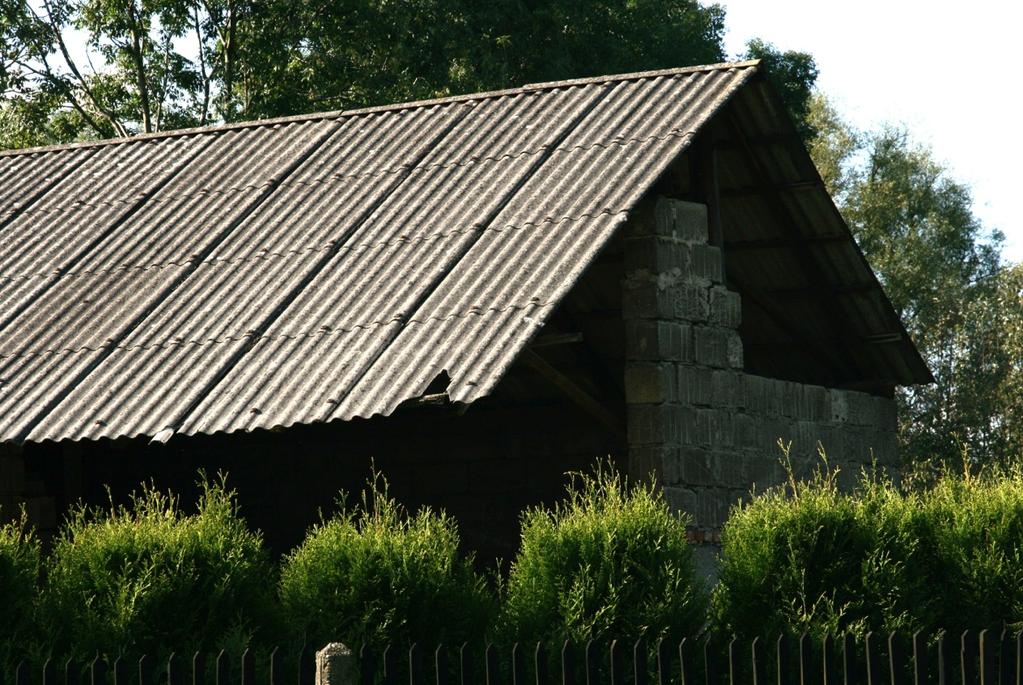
(610, 562)
(376, 575)
(19, 578)
(944, 556)
(150, 578)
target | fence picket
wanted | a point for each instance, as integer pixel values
(1005, 658)
(367, 666)
(223, 675)
(491, 665)
(415, 665)
(465, 674)
(97, 671)
(1018, 662)
(541, 665)
(756, 649)
(684, 669)
(829, 668)
(805, 655)
(733, 661)
(968, 657)
(120, 671)
(72, 672)
(199, 669)
(920, 658)
(781, 650)
(590, 663)
(639, 663)
(276, 667)
(567, 664)
(896, 658)
(616, 659)
(175, 676)
(663, 662)
(986, 657)
(22, 674)
(850, 671)
(440, 666)
(873, 659)
(248, 667)
(710, 666)
(145, 670)
(307, 666)
(518, 667)
(941, 652)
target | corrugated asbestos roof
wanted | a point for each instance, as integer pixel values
(319, 268)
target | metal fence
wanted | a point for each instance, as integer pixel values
(972, 658)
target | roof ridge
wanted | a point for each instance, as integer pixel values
(414, 104)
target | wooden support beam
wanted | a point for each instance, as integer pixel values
(580, 397)
(821, 292)
(798, 186)
(555, 339)
(775, 243)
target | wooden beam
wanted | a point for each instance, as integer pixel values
(821, 293)
(580, 397)
(775, 243)
(555, 339)
(797, 186)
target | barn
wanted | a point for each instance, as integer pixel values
(476, 294)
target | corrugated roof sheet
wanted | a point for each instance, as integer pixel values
(318, 268)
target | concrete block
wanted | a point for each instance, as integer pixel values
(711, 346)
(680, 500)
(725, 307)
(696, 426)
(696, 467)
(683, 220)
(722, 430)
(725, 389)
(706, 264)
(755, 391)
(862, 409)
(817, 407)
(691, 303)
(651, 382)
(650, 339)
(657, 254)
(644, 298)
(839, 401)
(747, 432)
(654, 424)
(658, 460)
(735, 350)
(695, 385)
(887, 415)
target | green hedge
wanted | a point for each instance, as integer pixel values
(947, 556)
(375, 575)
(611, 561)
(19, 578)
(149, 577)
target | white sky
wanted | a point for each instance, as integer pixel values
(943, 69)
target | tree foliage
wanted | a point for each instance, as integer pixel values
(942, 270)
(72, 69)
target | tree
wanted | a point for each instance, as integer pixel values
(156, 64)
(942, 271)
(794, 76)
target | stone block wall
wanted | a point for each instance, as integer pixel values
(709, 430)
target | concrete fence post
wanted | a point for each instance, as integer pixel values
(335, 665)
